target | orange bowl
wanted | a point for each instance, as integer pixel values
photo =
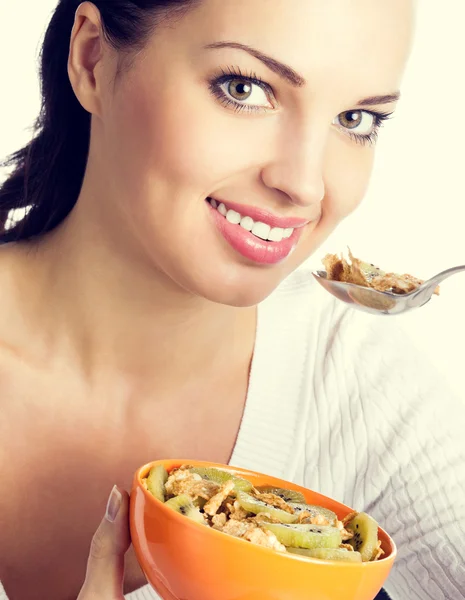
(184, 560)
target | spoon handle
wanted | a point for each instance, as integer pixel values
(437, 279)
(424, 293)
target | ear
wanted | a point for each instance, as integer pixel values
(85, 57)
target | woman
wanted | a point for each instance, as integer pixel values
(189, 157)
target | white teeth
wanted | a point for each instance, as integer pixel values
(287, 233)
(276, 234)
(261, 230)
(233, 217)
(247, 223)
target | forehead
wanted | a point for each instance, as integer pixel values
(363, 43)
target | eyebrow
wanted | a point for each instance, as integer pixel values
(284, 71)
(374, 100)
(290, 75)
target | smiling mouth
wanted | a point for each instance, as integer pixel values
(257, 228)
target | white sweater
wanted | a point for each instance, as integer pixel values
(341, 402)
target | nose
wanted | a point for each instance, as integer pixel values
(296, 169)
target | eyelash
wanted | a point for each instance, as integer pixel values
(236, 73)
(372, 138)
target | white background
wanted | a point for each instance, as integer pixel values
(413, 217)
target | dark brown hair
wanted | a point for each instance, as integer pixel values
(47, 174)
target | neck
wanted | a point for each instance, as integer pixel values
(119, 314)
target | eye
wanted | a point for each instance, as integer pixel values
(245, 92)
(359, 122)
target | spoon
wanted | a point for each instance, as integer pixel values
(383, 303)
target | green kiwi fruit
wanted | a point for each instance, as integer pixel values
(220, 477)
(286, 495)
(183, 504)
(338, 554)
(315, 511)
(255, 506)
(156, 480)
(305, 536)
(200, 502)
(370, 271)
(365, 540)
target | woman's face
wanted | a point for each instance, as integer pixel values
(252, 109)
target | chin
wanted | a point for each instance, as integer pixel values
(241, 287)
(239, 297)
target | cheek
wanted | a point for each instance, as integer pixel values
(347, 175)
(182, 137)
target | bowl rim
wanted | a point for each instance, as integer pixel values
(143, 470)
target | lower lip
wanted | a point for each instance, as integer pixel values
(251, 247)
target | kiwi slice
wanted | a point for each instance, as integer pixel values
(305, 536)
(337, 554)
(199, 502)
(255, 506)
(315, 511)
(365, 539)
(220, 477)
(286, 495)
(183, 504)
(370, 271)
(156, 480)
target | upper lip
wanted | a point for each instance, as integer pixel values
(264, 216)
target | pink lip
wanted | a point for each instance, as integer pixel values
(259, 214)
(251, 247)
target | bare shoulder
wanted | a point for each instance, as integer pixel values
(10, 309)
(10, 375)
(10, 362)
(15, 328)
(14, 380)
(7, 305)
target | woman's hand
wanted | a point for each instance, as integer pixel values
(105, 567)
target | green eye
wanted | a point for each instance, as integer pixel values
(244, 93)
(351, 119)
(240, 90)
(360, 122)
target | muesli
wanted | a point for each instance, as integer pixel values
(369, 275)
(274, 518)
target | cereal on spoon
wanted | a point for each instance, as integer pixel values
(368, 275)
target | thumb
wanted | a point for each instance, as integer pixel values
(105, 567)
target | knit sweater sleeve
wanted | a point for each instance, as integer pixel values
(409, 434)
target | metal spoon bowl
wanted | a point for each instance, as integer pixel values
(383, 303)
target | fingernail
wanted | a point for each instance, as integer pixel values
(113, 504)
